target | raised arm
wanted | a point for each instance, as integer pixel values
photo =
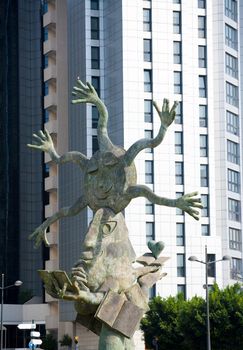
(167, 116)
(87, 94)
(187, 203)
(43, 142)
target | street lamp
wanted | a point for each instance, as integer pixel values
(16, 284)
(207, 263)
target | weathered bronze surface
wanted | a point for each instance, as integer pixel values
(110, 294)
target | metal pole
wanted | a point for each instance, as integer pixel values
(207, 302)
(2, 289)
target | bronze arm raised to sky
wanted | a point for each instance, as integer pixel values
(110, 179)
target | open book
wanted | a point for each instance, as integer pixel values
(119, 313)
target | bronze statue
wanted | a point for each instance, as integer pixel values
(104, 278)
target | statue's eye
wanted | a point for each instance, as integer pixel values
(111, 162)
(108, 227)
(92, 168)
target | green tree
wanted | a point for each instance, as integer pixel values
(181, 325)
(49, 342)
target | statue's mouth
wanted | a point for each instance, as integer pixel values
(103, 193)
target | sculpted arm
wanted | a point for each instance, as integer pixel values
(43, 142)
(188, 202)
(39, 234)
(167, 116)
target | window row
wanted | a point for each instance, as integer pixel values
(201, 3)
(181, 267)
(235, 239)
(236, 269)
(231, 65)
(234, 210)
(231, 9)
(231, 39)
(232, 94)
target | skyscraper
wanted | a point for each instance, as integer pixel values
(133, 53)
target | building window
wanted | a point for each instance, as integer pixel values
(205, 230)
(177, 52)
(46, 88)
(236, 268)
(201, 26)
(95, 145)
(203, 145)
(178, 210)
(202, 56)
(201, 4)
(94, 4)
(179, 116)
(176, 22)
(176, 1)
(95, 117)
(203, 116)
(149, 231)
(211, 267)
(232, 94)
(44, 7)
(231, 9)
(149, 207)
(45, 33)
(232, 123)
(234, 209)
(152, 292)
(204, 175)
(147, 20)
(45, 61)
(233, 152)
(46, 115)
(202, 86)
(178, 142)
(181, 289)
(148, 135)
(180, 234)
(94, 25)
(178, 82)
(233, 181)
(231, 37)
(147, 80)
(205, 203)
(179, 173)
(235, 239)
(231, 65)
(96, 84)
(147, 50)
(149, 172)
(148, 111)
(95, 57)
(181, 265)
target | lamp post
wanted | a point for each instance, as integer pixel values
(207, 263)
(16, 284)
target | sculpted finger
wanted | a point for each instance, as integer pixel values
(41, 134)
(34, 146)
(37, 137)
(80, 100)
(47, 135)
(91, 88)
(156, 107)
(173, 109)
(81, 84)
(192, 194)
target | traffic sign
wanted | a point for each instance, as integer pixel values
(35, 334)
(26, 326)
(36, 341)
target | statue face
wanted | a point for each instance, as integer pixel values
(107, 179)
(107, 251)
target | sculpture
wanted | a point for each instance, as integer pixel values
(104, 278)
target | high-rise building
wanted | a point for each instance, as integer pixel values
(134, 52)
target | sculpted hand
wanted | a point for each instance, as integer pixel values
(43, 142)
(39, 235)
(188, 202)
(166, 115)
(84, 93)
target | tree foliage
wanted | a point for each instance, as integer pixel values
(181, 325)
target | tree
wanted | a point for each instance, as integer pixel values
(181, 325)
(49, 342)
(66, 341)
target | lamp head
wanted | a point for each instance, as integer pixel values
(193, 258)
(226, 257)
(18, 283)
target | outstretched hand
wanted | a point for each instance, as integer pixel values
(188, 202)
(43, 142)
(39, 236)
(166, 114)
(84, 93)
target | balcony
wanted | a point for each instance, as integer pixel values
(49, 18)
(51, 183)
(50, 73)
(50, 101)
(49, 46)
(51, 126)
(50, 209)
